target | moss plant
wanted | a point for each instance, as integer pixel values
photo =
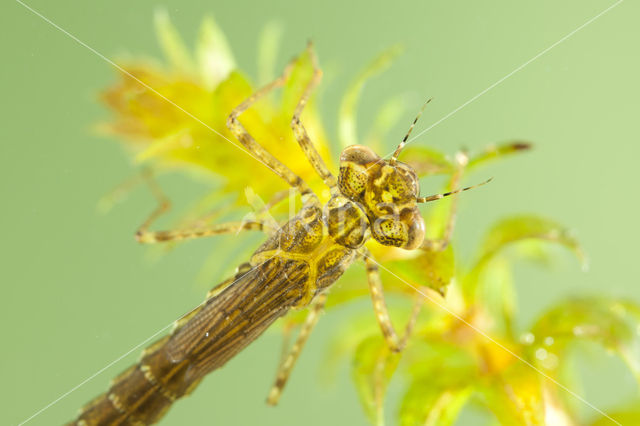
(466, 347)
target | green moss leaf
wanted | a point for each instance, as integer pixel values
(171, 43)
(630, 416)
(424, 404)
(519, 228)
(495, 152)
(433, 269)
(301, 74)
(215, 60)
(426, 161)
(268, 45)
(515, 397)
(497, 294)
(442, 378)
(372, 368)
(347, 113)
(387, 116)
(614, 324)
(489, 281)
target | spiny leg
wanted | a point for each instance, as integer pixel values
(300, 132)
(262, 210)
(258, 150)
(118, 193)
(143, 235)
(379, 372)
(287, 330)
(289, 361)
(380, 307)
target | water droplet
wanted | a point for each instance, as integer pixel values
(527, 338)
(541, 354)
(548, 340)
(551, 361)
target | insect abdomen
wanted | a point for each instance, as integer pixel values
(142, 394)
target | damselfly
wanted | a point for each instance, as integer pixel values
(372, 198)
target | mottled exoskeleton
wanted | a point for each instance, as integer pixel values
(372, 198)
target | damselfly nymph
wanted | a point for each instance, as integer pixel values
(371, 198)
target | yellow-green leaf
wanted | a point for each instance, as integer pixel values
(516, 397)
(494, 152)
(301, 74)
(426, 161)
(388, 115)
(496, 292)
(172, 45)
(442, 377)
(630, 416)
(372, 368)
(215, 60)
(433, 269)
(426, 405)
(520, 228)
(347, 113)
(268, 44)
(614, 324)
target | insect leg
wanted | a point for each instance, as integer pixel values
(287, 330)
(258, 150)
(380, 307)
(108, 200)
(289, 361)
(262, 210)
(143, 235)
(301, 133)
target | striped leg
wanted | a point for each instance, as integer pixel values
(380, 307)
(149, 237)
(289, 361)
(301, 133)
(121, 191)
(287, 331)
(258, 150)
(143, 235)
(262, 210)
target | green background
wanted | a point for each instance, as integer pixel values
(78, 291)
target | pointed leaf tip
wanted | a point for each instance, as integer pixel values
(171, 43)
(372, 369)
(215, 59)
(519, 228)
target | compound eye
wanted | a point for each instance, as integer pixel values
(346, 222)
(415, 233)
(407, 183)
(352, 180)
(358, 154)
(355, 162)
(406, 232)
(390, 232)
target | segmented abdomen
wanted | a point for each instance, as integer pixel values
(141, 394)
(212, 334)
